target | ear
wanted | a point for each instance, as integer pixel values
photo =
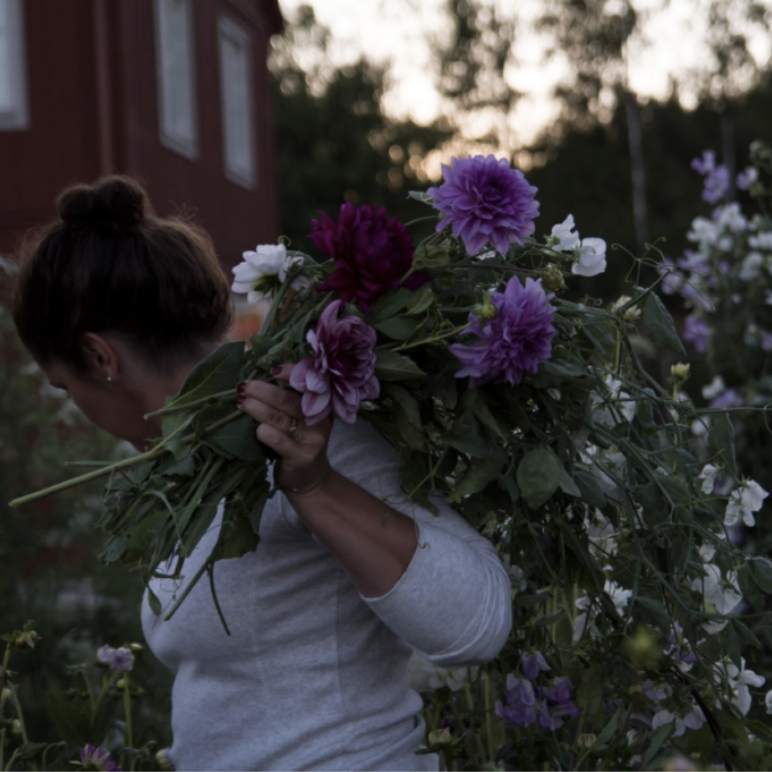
(100, 355)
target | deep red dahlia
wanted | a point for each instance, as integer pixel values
(372, 253)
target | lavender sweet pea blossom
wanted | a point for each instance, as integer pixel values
(485, 201)
(341, 372)
(698, 332)
(518, 340)
(97, 759)
(728, 398)
(532, 664)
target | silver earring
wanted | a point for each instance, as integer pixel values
(109, 378)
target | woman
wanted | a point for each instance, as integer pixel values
(117, 305)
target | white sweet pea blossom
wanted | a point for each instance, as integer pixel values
(601, 534)
(751, 267)
(708, 477)
(731, 218)
(743, 502)
(424, 675)
(714, 388)
(263, 271)
(620, 597)
(592, 258)
(566, 237)
(768, 702)
(762, 240)
(694, 719)
(738, 680)
(721, 595)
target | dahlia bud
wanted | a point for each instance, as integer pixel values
(680, 372)
(552, 279)
(488, 312)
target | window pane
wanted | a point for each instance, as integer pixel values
(6, 85)
(237, 102)
(13, 67)
(176, 77)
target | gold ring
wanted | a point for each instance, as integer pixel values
(293, 427)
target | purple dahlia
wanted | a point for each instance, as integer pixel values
(341, 372)
(372, 253)
(518, 340)
(485, 201)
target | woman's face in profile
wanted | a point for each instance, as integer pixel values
(107, 407)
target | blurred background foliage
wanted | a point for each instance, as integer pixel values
(619, 164)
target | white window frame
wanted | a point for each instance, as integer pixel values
(177, 132)
(238, 107)
(14, 115)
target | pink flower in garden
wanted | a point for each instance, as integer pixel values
(517, 340)
(97, 759)
(341, 372)
(372, 253)
(484, 201)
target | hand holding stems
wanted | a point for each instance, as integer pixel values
(304, 464)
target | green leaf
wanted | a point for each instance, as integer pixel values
(73, 721)
(658, 738)
(538, 476)
(589, 695)
(421, 301)
(659, 325)
(590, 489)
(407, 416)
(218, 372)
(655, 610)
(154, 602)
(419, 195)
(237, 537)
(552, 374)
(466, 435)
(721, 443)
(391, 366)
(747, 635)
(510, 486)
(388, 305)
(605, 737)
(480, 473)
(144, 534)
(238, 439)
(761, 571)
(550, 619)
(397, 328)
(184, 466)
(566, 482)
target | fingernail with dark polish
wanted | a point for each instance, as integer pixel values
(240, 400)
(240, 388)
(275, 370)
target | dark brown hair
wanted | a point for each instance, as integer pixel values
(109, 264)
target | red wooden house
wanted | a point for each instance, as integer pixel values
(175, 92)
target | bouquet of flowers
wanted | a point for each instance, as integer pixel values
(533, 416)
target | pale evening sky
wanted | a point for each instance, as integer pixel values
(399, 30)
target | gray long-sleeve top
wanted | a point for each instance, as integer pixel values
(314, 675)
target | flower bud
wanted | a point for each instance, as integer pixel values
(4, 695)
(27, 640)
(136, 647)
(441, 736)
(586, 740)
(632, 314)
(121, 683)
(164, 760)
(680, 372)
(488, 312)
(16, 727)
(643, 648)
(552, 279)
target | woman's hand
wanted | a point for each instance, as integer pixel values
(303, 449)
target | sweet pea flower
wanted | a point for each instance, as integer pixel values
(564, 235)
(592, 258)
(751, 266)
(743, 502)
(708, 477)
(768, 702)
(721, 594)
(738, 680)
(714, 388)
(532, 664)
(747, 177)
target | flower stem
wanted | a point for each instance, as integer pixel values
(4, 668)
(127, 713)
(187, 405)
(425, 341)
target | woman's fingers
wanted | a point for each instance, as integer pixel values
(284, 402)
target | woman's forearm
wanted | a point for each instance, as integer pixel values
(373, 542)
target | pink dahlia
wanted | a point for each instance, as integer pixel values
(517, 340)
(485, 201)
(372, 253)
(341, 373)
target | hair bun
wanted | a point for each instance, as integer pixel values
(112, 206)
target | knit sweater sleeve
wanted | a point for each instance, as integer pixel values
(453, 603)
